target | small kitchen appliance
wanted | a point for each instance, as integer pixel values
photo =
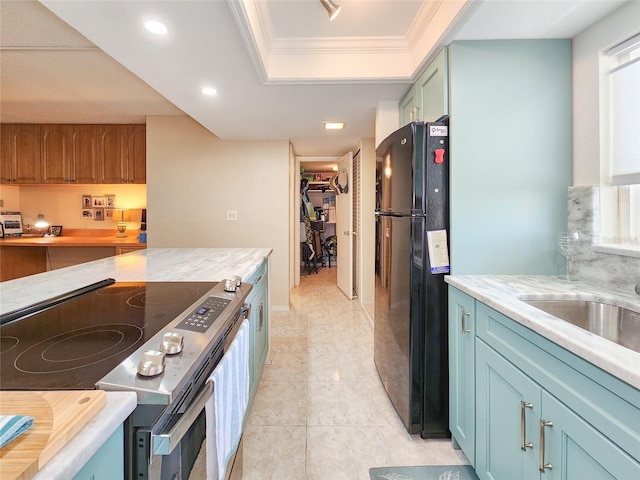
(160, 340)
(410, 319)
(11, 223)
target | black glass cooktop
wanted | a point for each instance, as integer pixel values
(74, 344)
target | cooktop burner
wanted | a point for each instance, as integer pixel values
(76, 343)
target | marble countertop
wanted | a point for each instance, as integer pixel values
(75, 454)
(504, 293)
(149, 265)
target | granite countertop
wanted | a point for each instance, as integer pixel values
(504, 293)
(149, 265)
(79, 450)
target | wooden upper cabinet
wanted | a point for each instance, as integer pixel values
(20, 153)
(137, 154)
(69, 154)
(83, 141)
(122, 152)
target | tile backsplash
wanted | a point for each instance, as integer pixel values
(620, 271)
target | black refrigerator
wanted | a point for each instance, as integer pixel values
(412, 245)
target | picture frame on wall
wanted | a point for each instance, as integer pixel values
(108, 213)
(87, 213)
(99, 202)
(98, 214)
(110, 201)
(86, 201)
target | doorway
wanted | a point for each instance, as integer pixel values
(317, 222)
(362, 232)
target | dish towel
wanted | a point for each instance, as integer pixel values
(226, 409)
(12, 426)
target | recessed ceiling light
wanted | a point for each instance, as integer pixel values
(210, 91)
(156, 27)
(333, 125)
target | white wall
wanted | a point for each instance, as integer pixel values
(62, 204)
(194, 178)
(368, 227)
(586, 87)
(588, 107)
(387, 119)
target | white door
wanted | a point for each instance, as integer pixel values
(344, 224)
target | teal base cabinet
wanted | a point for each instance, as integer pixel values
(108, 462)
(259, 326)
(541, 412)
(462, 372)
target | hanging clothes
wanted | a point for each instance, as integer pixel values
(308, 214)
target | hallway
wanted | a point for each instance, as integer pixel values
(320, 411)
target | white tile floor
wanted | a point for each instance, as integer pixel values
(320, 411)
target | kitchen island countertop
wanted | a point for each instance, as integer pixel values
(504, 293)
(149, 265)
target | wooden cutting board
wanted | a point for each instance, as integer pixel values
(58, 416)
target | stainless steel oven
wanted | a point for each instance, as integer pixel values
(166, 439)
(161, 340)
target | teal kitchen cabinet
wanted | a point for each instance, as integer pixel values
(409, 107)
(510, 150)
(427, 100)
(542, 412)
(108, 462)
(462, 371)
(259, 326)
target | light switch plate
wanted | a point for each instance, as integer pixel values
(232, 215)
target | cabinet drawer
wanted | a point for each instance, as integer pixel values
(610, 405)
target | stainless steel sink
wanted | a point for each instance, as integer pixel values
(618, 324)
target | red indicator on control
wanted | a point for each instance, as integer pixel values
(439, 155)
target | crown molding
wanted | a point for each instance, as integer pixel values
(302, 60)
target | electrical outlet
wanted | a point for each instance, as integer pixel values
(232, 215)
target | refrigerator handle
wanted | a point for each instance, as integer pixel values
(400, 215)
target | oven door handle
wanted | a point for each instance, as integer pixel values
(163, 443)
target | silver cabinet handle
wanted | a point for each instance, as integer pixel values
(523, 426)
(544, 466)
(464, 323)
(261, 322)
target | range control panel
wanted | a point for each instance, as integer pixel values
(204, 315)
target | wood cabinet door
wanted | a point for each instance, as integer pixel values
(409, 110)
(55, 154)
(575, 450)
(137, 155)
(20, 153)
(431, 89)
(7, 161)
(462, 371)
(83, 153)
(112, 153)
(504, 425)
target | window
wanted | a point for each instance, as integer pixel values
(623, 137)
(624, 112)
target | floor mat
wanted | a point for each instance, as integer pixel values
(439, 472)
